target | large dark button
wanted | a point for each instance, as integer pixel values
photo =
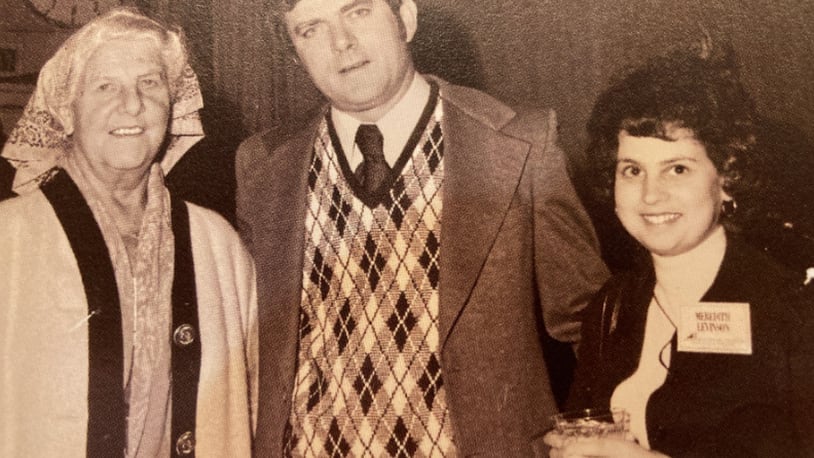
(185, 444)
(183, 335)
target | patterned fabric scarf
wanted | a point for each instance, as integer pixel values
(369, 379)
(38, 141)
(145, 294)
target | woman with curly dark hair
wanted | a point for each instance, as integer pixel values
(707, 343)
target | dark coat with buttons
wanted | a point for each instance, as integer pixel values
(517, 250)
(61, 341)
(713, 405)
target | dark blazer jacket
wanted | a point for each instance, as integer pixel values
(517, 250)
(713, 405)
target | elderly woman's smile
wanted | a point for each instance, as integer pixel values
(127, 131)
(122, 107)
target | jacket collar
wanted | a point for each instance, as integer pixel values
(482, 170)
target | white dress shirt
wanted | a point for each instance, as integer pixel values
(396, 125)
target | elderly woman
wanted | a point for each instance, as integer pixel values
(127, 316)
(708, 344)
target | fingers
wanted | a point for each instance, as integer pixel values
(556, 453)
(573, 447)
(592, 447)
(604, 447)
(554, 439)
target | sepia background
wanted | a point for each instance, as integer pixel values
(549, 53)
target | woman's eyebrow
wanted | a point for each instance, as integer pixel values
(678, 159)
(626, 161)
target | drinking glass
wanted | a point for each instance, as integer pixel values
(596, 422)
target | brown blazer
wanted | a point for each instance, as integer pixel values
(517, 248)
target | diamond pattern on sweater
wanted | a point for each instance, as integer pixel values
(434, 144)
(344, 326)
(401, 322)
(313, 174)
(429, 259)
(316, 390)
(372, 262)
(335, 444)
(370, 356)
(367, 384)
(339, 211)
(401, 445)
(402, 202)
(431, 381)
(321, 274)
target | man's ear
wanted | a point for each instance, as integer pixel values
(408, 11)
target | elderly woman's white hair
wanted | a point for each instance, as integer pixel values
(43, 134)
(68, 64)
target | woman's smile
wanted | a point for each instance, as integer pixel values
(660, 218)
(127, 131)
(123, 107)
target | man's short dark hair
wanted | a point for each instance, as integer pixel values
(284, 6)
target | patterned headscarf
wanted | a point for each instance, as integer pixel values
(39, 140)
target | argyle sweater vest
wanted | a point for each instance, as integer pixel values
(369, 380)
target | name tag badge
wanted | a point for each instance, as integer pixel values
(716, 327)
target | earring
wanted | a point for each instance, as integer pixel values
(729, 207)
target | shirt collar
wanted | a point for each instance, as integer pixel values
(396, 125)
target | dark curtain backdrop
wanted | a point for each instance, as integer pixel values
(550, 53)
(547, 53)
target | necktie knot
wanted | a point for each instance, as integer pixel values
(374, 169)
(370, 141)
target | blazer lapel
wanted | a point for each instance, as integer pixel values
(482, 172)
(279, 244)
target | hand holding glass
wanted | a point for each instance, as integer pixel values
(592, 423)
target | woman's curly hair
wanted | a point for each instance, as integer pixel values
(698, 90)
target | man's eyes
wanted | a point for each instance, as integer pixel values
(359, 12)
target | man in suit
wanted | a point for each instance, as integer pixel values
(413, 243)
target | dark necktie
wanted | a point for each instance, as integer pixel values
(374, 168)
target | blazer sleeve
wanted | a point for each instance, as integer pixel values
(247, 158)
(568, 264)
